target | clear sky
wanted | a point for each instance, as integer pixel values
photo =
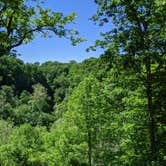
(55, 49)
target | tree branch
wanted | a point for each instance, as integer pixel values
(9, 29)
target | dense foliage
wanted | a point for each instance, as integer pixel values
(89, 113)
(22, 20)
(103, 111)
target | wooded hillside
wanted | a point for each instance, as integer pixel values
(106, 111)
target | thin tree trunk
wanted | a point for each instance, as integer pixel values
(89, 148)
(150, 109)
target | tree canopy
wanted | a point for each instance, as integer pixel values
(107, 111)
(22, 20)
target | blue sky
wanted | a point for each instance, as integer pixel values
(55, 49)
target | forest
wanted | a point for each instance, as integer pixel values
(106, 111)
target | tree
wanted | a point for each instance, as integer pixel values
(14, 72)
(21, 20)
(7, 101)
(6, 129)
(138, 34)
(24, 147)
(126, 131)
(85, 117)
(34, 109)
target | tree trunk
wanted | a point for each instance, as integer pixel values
(150, 109)
(89, 148)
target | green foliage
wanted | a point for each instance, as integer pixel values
(5, 131)
(136, 25)
(22, 76)
(79, 113)
(34, 109)
(97, 112)
(82, 123)
(22, 20)
(24, 147)
(137, 35)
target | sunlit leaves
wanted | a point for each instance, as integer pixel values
(22, 20)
